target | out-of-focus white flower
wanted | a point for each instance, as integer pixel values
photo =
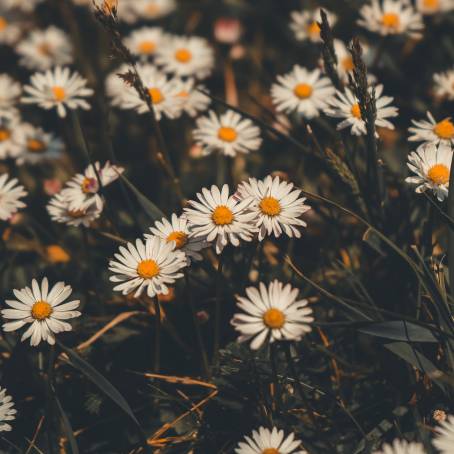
(10, 27)
(304, 24)
(192, 100)
(444, 438)
(145, 41)
(10, 92)
(444, 84)
(11, 134)
(432, 131)
(227, 30)
(434, 6)
(151, 9)
(7, 412)
(26, 6)
(401, 447)
(11, 194)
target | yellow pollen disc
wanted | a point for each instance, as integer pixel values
(155, 95)
(270, 206)
(227, 134)
(313, 29)
(183, 55)
(390, 20)
(433, 4)
(59, 93)
(147, 269)
(44, 49)
(147, 47)
(222, 215)
(35, 145)
(347, 63)
(438, 174)
(76, 213)
(180, 239)
(303, 91)
(274, 318)
(3, 23)
(444, 129)
(152, 9)
(57, 254)
(41, 310)
(356, 111)
(4, 135)
(89, 185)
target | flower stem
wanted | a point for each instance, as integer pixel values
(217, 312)
(157, 335)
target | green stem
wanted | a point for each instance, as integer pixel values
(157, 338)
(217, 312)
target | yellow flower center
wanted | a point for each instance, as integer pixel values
(3, 23)
(147, 47)
(356, 111)
(75, 214)
(432, 4)
(222, 215)
(183, 55)
(438, 174)
(227, 134)
(390, 20)
(274, 318)
(347, 63)
(4, 134)
(303, 91)
(35, 145)
(155, 95)
(152, 9)
(313, 29)
(59, 93)
(41, 310)
(444, 129)
(45, 49)
(147, 269)
(57, 254)
(89, 185)
(270, 206)
(180, 239)
(183, 94)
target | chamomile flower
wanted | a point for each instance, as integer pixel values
(277, 206)
(444, 84)
(116, 86)
(220, 218)
(177, 230)
(432, 165)
(10, 28)
(150, 265)
(144, 41)
(345, 106)
(153, 9)
(228, 134)
(7, 412)
(10, 92)
(60, 210)
(58, 88)
(401, 447)
(38, 145)
(186, 56)
(272, 313)
(11, 134)
(444, 438)
(265, 441)
(303, 91)
(24, 6)
(391, 17)
(11, 194)
(192, 100)
(432, 131)
(304, 24)
(42, 309)
(429, 7)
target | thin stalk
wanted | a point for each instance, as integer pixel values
(450, 231)
(157, 335)
(217, 312)
(277, 388)
(48, 376)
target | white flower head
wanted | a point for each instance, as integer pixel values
(303, 91)
(429, 7)
(265, 441)
(401, 447)
(42, 309)
(444, 438)
(145, 41)
(220, 218)
(43, 49)
(11, 194)
(228, 134)
(391, 17)
(272, 313)
(116, 86)
(150, 265)
(7, 412)
(432, 131)
(152, 9)
(177, 230)
(304, 24)
(443, 84)
(277, 205)
(25, 6)
(432, 165)
(11, 134)
(192, 100)
(58, 88)
(186, 56)
(10, 91)
(346, 106)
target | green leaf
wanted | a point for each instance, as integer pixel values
(399, 330)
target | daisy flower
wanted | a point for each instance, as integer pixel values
(444, 438)
(304, 24)
(43, 49)
(401, 447)
(42, 309)
(144, 41)
(444, 84)
(11, 134)
(60, 210)
(192, 100)
(116, 86)
(25, 6)
(218, 217)
(391, 17)
(176, 230)
(186, 56)
(10, 92)
(303, 91)
(434, 6)
(432, 165)
(58, 88)
(272, 313)
(432, 131)
(7, 412)
(10, 194)
(277, 206)
(152, 9)
(151, 265)
(10, 28)
(38, 145)
(265, 441)
(345, 106)
(229, 134)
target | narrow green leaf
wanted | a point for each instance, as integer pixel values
(399, 330)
